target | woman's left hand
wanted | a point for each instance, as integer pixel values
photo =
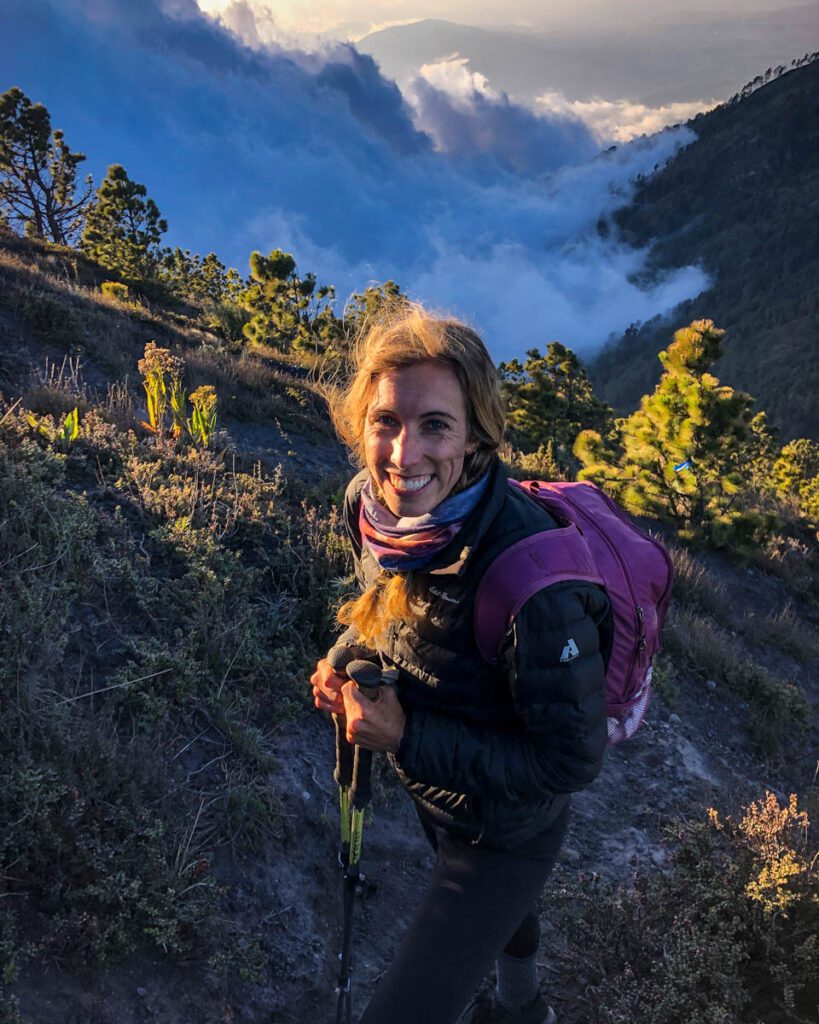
(375, 724)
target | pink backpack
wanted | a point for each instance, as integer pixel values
(597, 542)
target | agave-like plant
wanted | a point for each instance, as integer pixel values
(202, 422)
(63, 435)
(70, 429)
(177, 397)
(155, 366)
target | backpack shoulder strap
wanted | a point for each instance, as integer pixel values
(521, 571)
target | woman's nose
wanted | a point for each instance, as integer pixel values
(405, 449)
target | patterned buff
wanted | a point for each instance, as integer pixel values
(409, 542)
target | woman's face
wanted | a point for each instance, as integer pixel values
(416, 436)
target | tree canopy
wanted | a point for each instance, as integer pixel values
(549, 401)
(684, 454)
(39, 189)
(124, 227)
(288, 311)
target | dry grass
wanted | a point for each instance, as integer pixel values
(696, 587)
(784, 630)
(778, 713)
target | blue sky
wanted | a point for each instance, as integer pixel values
(473, 203)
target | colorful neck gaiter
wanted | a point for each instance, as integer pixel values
(400, 543)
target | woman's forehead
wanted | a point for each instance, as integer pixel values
(428, 386)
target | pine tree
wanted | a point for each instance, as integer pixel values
(287, 311)
(363, 307)
(795, 477)
(124, 228)
(685, 454)
(38, 173)
(550, 400)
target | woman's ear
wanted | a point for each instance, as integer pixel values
(471, 446)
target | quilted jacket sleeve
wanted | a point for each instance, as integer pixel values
(554, 658)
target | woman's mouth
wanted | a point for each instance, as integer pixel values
(408, 484)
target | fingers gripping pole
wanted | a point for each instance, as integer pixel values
(354, 777)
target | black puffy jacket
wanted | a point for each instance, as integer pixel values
(492, 752)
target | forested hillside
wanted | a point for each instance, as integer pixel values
(742, 201)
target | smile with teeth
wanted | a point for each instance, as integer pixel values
(406, 484)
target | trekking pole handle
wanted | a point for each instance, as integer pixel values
(339, 658)
(369, 677)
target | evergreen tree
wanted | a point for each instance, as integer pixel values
(198, 278)
(124, 227)
(363, 307)
(795, 476)
(287, 311)
(550, 400)
(38, 173)
(685, 455)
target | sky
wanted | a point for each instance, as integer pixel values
(351, 18)
(473, 203)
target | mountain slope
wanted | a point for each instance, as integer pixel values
(742, 201)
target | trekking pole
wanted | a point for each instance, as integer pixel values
(355, 796)
(339, 657)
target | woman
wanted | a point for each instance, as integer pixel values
(488, 753)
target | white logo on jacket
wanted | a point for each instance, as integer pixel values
(570, 652)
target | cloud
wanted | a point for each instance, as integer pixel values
(475, 125)
(620, 120)
(469, 201)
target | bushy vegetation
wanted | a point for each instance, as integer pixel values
(694, 453)
(728, 935)
(149, 599)
(550, 400)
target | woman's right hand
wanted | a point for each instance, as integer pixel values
(327, 688)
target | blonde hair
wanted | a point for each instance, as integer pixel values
(404, 334)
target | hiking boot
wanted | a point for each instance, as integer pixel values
(485, 1009)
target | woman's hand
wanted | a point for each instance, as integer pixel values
(375, 724)
(327, 688)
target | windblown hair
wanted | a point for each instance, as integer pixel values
(404, 334)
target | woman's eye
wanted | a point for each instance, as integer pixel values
(385, 421)
(436, 426)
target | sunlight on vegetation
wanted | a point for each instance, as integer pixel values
(730, 933)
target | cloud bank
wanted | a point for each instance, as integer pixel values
(471, 202)
(620, 120)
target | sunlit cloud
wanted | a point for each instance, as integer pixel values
(623, 119)
(474, 125)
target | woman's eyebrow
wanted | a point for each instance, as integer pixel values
(445, 415)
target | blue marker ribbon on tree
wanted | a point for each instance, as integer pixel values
(682, 465)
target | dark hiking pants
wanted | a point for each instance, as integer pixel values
(478, 903)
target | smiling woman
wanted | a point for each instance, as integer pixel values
(488, 752)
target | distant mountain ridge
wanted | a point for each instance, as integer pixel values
(742, 201)
(654, 64)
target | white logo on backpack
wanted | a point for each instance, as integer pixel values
(570, 652)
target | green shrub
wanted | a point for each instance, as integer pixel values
(116, 290)
(730, 935)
